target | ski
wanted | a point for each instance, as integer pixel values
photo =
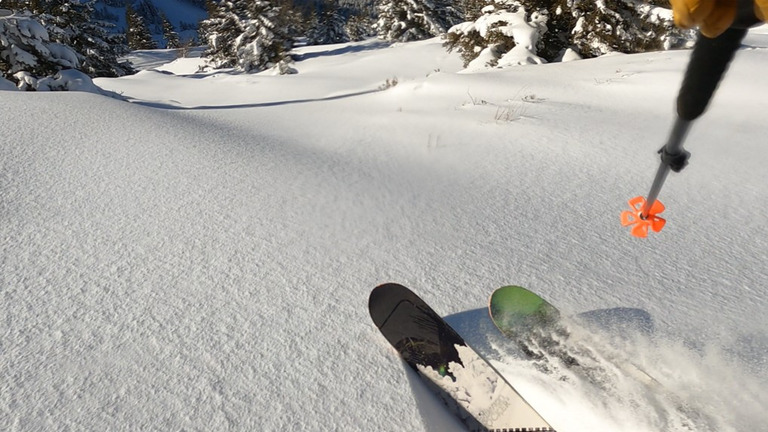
(515, 311)
(470, 387)
(538, 329)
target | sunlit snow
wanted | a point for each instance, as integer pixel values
(196, 253)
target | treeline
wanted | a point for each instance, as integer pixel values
(40, 37)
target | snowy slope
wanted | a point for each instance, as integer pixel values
(201, 258)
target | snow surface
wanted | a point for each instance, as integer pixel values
(477, 388)
(201, 258)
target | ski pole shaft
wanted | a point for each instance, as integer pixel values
(707, 66)
(673, 148)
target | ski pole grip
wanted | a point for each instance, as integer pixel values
(708, 63)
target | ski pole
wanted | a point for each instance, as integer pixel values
(706, 67)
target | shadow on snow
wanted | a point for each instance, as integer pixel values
(169, 106)
(341, 50)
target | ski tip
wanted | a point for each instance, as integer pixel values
(640, 226)
(384, 298)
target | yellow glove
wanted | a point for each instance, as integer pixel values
(711, 16)
(761, 9)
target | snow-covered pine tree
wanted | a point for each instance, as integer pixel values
(172, 40)
(17, 5)
(329, 25)
(615, 25)
(151, 15)
(264, 42)
(588, 28)
(292, 19)
(359, 27)
(252, 35)
(490, 36)
(408, 20)
(71, 23)
(26, 46)
(473, 8)
(137, 33)
(221, 31)
(100, 50)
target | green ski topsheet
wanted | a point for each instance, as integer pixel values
(514, 308)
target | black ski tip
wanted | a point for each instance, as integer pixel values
(383, 300)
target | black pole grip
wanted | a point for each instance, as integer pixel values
(708, 63)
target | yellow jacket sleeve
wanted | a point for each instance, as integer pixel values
(761, 10)
(711, 16)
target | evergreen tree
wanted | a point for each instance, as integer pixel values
(292, 19)
(612, 26)
(359, 27)
(172, 40)
(70, 39)
(588, 28)
(137, 33)
(407, 20)
(26, 47)
(99, 49)
(151, 15)
(251, 35)
(221, 31)
(211, 6)
(264, 42)
(20, 6)
(473, 8)
(329, 25)
(490, 34)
